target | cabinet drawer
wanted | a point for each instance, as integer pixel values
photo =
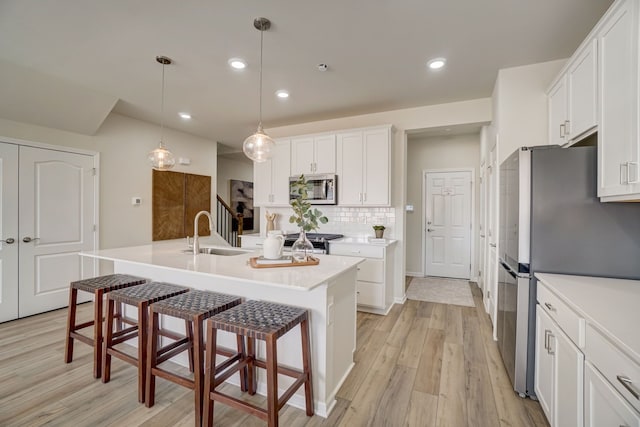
(370, 294)
(567, 319)
(612, 363)
(365, 251)
(371, 270)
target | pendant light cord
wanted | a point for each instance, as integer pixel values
(162, 109)
(260, 95)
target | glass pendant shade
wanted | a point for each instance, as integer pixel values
(161, 159)
(259, 146)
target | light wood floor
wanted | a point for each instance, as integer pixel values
(424, 364)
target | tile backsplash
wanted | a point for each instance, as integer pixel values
(342, 220)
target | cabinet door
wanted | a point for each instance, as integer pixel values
(617, 78)
(544, 370)
(558, 112)
(350, 167)
(568, 387)
(581, 78)
(376, 179)
(302, 156)
(603, 405)
(262, 183)
(325, 154)
(8, 230)
(280, 172)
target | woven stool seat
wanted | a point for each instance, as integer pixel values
(98, 286)
(259, 319)
(108, 283)
(193, 307)
(196, 303)
(150, 293)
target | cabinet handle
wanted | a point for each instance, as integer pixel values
(628, 384)
(562, 130)
(359, 197)
(550, 350)
(629, 180)
(549, 306)
(355, 252)
(547, 332)
(364, 197)
(567, 127)
(311, 167)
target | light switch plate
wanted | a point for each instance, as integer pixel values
(409, 208)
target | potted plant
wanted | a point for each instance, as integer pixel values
(305, 217)
(379, 230)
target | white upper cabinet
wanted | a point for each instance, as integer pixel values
(558, 112)
(271, 178)
(313, 155)
(364, 166)
(573, 98)
(618, 143)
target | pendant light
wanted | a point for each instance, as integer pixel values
(161, 158)
(259, 146)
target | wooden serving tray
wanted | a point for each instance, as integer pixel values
(312, 261)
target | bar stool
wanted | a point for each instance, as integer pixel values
(264, 321)
(194, 307)
(140, 297)
(99, 286)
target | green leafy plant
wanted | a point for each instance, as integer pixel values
(304, 216)
(379, 227)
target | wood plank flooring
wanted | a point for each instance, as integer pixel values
(424, 364)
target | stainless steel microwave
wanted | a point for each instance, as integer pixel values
(322, 189)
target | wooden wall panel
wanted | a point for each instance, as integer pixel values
(176, 199)
(168, 205)
(197, 198)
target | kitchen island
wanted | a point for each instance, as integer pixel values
(327, 290)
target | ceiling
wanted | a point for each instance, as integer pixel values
(68, 63)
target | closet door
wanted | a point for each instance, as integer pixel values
(8, 232)
(57, 217)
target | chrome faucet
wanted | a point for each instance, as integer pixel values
(196, 241)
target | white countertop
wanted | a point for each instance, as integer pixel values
(610, 305)
(169, 254)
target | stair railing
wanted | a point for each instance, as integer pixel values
(228, 223)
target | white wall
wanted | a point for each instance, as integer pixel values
(436, 152)
(472, 111)
(520, 100)
(123, 144)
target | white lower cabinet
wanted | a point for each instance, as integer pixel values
(603, 405)
(559, 373)
(586, 372)
(375, 275)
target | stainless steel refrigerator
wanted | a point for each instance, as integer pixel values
(552, 221)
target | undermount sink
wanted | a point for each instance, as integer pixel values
(219, 251)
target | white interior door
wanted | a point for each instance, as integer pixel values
(57, 217)
(448, 224)
(8, 232)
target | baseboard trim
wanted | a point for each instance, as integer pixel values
(414, 274)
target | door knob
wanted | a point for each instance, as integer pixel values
(8, 241)
(430, 229)
(30, 239)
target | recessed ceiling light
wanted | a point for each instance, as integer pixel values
(185, 116)
(437, 63)
(282, 94)
(237, 63)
